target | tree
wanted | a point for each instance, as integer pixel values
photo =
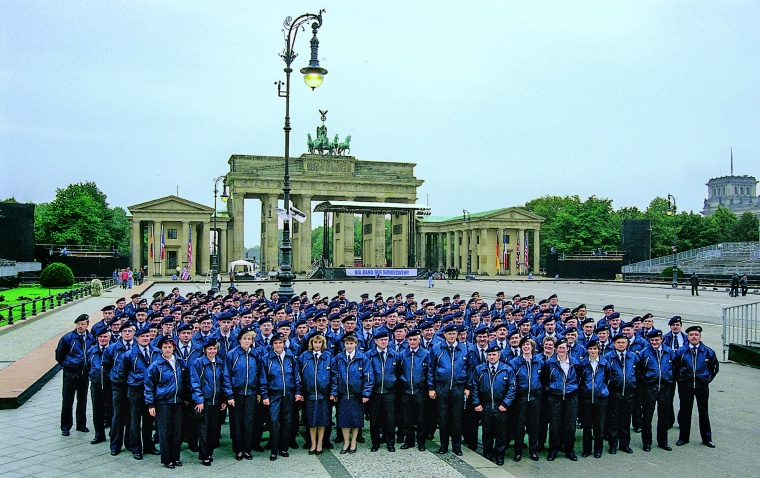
(726, 222)
(746, 229)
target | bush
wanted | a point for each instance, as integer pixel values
(96, 287)
(668, 273)
(57, 275)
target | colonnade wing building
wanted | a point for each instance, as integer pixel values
(344, 188)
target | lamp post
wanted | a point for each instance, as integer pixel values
(313, 76)
(672, 210)
(466, 221)
(215, 254)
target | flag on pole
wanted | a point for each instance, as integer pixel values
(162, 242)
(190, 249)
(517, 253)
(505, 240)
(497, 257)
(526, 251)
(150, 241)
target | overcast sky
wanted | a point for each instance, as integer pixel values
(497, 102)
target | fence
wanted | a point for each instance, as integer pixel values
(33, 307)
(740, 326)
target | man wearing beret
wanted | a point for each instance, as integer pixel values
(695, 367)
(675, 339)
(100, 388)
(657, 377)
(71, 355)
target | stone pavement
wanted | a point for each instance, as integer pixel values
(33, 446)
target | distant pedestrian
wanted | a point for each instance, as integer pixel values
(694, 281)
(430, 278)
(744, 284)
(734, 286)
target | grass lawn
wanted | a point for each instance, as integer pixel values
(11, 297)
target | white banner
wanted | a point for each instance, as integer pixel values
(381, 272)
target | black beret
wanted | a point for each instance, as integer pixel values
(349, 336)
(694, 328)
(108, 307)
(676, 319)
(276, 337)
(210, 342)
(166, 339)
(383, 334)
(493, 348)
(127, 324)
(184, 327)
(592, 343)
(619, 337)
(608, 307)
(413, 333)
(82, 318)
(654, 333)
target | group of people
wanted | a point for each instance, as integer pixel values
(180, 366)
(738, 283)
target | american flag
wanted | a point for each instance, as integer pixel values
(162, 242)
(190, 249)
(517, 253)
(526, 251)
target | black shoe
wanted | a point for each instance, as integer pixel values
(647, 447)
(83, 429)
(247, 456)
(327, 446)
(97, 440)
(572, 456)
(293, 445)
(114, 452)
(422, 448)
(374, 448)
(343, 451)
(613, 451)
(179, 463)
(272, 457)
(207, 462)
(238, 457)
(551, 457)
(391, 449)
(458, 451)
(405, 446)
(499, 460)
(311, 452)
(138, 456)
(258, 448)
(597, 454)
(681, 442)
(156, 452)
(65, 433)
(666, 447)
(517, 458)
(626, 449)
(533, 456)
(360, 439)
(169, 465)
(443, 450)
(284, 454)
(352, 450)
(709, 444)
(585, 454)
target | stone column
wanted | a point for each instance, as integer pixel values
(236, 210)
(272, 233)
(441, 251)
(421, 245)
(182, 234)
(204, 258)
(136, 242)
(301, 235)
(536, 251)
(368, 240)
(465, 250)
(378, 231)
(157, 268)
(343, 240)
(521, 236)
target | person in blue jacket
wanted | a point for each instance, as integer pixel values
(528, 397)
(164, 395)
(315, 365)
(622, 377)
(211, 389)
(352, 382)
(100, 385)
(280, 385)
(594, 393)
(493, 386)
(242, 365)
(656, 370)
(112, 357)
(413, 371)
(561, 382)
(384, 362)
(71, 355)
(447, 385)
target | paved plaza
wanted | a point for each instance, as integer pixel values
(33, 445)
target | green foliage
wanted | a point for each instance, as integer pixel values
(57, 275)
(80, 215)
(668, 272)
(358, 244)
(96, 287)
(746, 228)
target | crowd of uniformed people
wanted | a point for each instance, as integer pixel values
(174, 369)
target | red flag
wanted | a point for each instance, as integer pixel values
(150, 248)
(497, 255)
(162, 242)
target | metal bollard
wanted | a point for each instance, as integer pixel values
(52, 302)
(44, 300)
(10, 315)
(34, 307)
(59, 297)
(23, 311)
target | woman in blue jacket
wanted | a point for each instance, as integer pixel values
(594, 393)
(561, 382)
(164, 397)
(527, 403)
(315, 365)
(242, 368)
(351, 388)
(211, 389)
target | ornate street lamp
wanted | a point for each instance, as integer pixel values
(672, 211)
(215, 254)
(313, 76)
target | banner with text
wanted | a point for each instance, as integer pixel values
(362, 272)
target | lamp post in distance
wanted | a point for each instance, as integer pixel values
(215, 252)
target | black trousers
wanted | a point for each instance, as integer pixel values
(671, 407)
(470, 423)
(543, 420)
(120, 423)
(260, 423)
(637, 412)
(563, 412)
(280, 415)
(619, 420)
(450, 404)
(494, 430)
(382, 417)
(594, 414)
(208, 430)
(100, 397)
(74, 386)
(169, 421)
(687, 394)
(413, 406)
(655, 398)
(241, 423)
(190, 425)
(694, 290)
(140, 422)
(431, 416)
(528, 416)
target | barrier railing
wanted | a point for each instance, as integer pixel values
(36, 306)
(740, 325)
